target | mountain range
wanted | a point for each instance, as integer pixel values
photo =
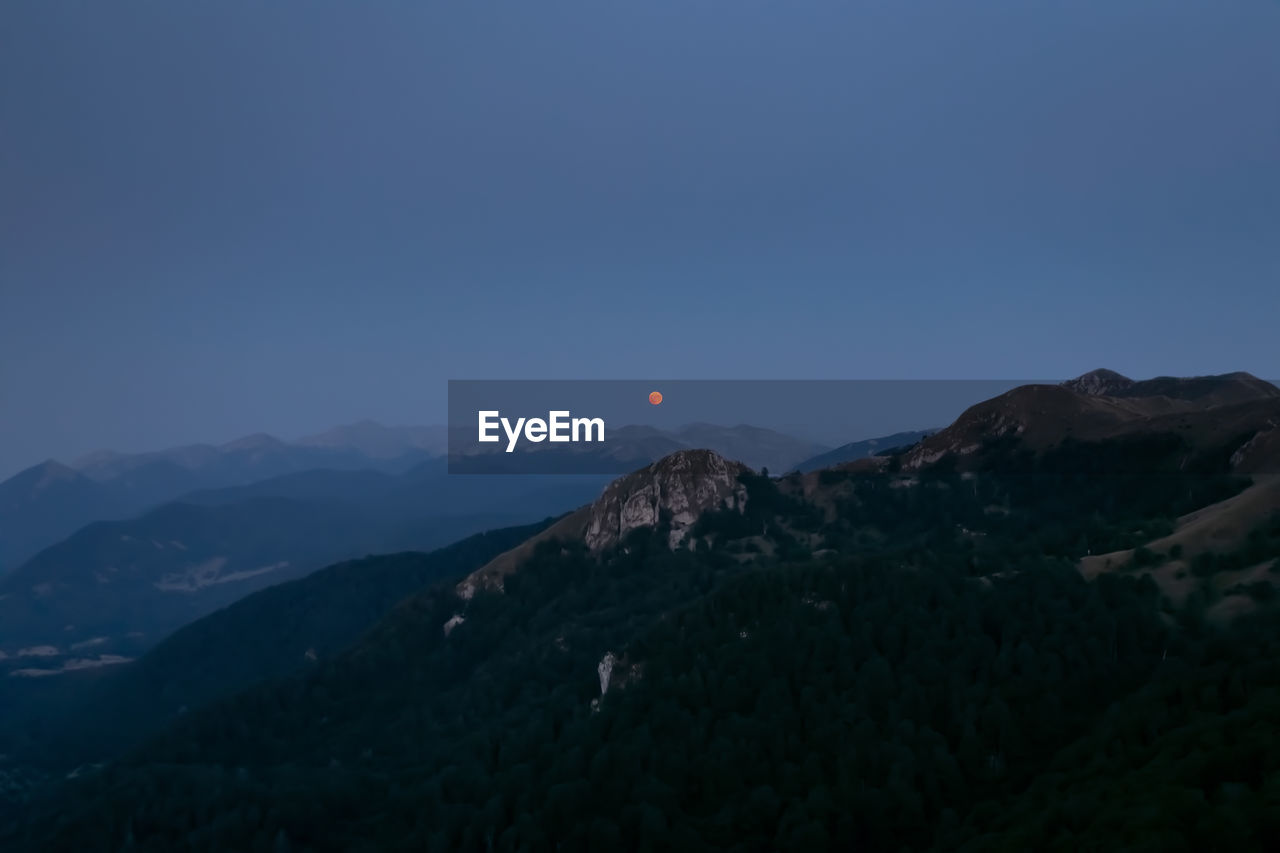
(49, 501)
(115, 586)
(1235, 410)
(1052, 619)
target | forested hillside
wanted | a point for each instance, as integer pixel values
(275, 632)
(855, 661)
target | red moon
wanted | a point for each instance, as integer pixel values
(655, 397)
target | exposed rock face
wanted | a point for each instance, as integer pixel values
(605, 669)
(454, 621)
(1260, 454)
(684, 484)
(616, 672)
(1006, 415)
(1099, 383)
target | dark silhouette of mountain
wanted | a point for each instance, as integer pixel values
(862, 449)
(885, 654)
(1205, 391)
(277, 631)
(1206, 414)
(1100, 383)
(704, 657)
(123, 585)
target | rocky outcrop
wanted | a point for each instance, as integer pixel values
(681, 486)
(617, 672)
(1261, 453)
(677, 488)
(605, 670)
(1099, 383)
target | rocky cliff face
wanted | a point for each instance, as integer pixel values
(682, 485)
(678, 488)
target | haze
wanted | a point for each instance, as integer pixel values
(241, 217)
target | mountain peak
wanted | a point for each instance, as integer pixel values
(1099, 383)
(680, 486)
(48, 475)
(676, 489)
(52, 471)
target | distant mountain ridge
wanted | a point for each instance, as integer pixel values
(1204, 412)
(125, 584)
(276, 631)
(1223, 389)
(44, 503)
(49, 501)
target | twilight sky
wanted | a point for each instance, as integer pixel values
(227, 217)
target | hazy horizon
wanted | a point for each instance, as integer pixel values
(832, 434)
(370, 201)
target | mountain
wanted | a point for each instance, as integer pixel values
(855, 450)
(1099, 383)
(244, 460)
(50, 501)
(274, 632)
(121, 586)
(1203, 414)
(872, 656)
(679, 665)
(41, 504)
(677, 489)
(117, 587)
(1205, 391)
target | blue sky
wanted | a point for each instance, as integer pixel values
(222, 218)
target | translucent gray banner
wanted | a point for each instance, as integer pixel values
(616, 426)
